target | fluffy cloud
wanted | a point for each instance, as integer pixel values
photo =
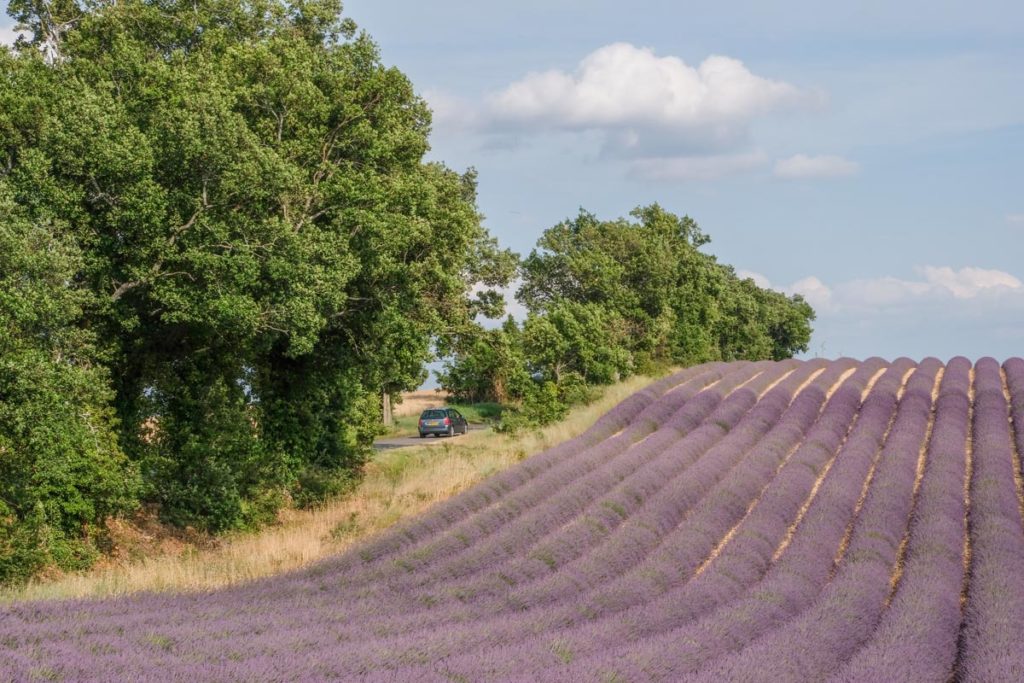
(8, 35)
(662, 118)
(825, 166)
(451, 111)
(621, 86)
(816, 292)
(941, 312)
(936, 285)
(967, 283)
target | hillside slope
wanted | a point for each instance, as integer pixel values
(843, 520)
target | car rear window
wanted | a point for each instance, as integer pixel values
(432, 414)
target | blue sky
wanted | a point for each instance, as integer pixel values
(868, 156)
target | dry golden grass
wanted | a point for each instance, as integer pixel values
(397, 484)
(415, 402)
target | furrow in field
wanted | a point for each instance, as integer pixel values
(916, 638)
(994, 612)
(732, 447)
(428, 614)
(1016, 368)
(901, 552)
(804, 411)
(815, 642)
(738, 565)
(692, 401)
(790, 521)
(641, 411)
(477, 543)
(388, 646)
(244, 607)
(791, 584)
(683, 543)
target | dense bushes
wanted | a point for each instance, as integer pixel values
(61, 470)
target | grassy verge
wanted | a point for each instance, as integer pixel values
(398, 483)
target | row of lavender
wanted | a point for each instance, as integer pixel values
(744, 521)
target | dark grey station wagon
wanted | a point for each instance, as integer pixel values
(446, 421)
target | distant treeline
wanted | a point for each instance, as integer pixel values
(220, 243)
(607, 299)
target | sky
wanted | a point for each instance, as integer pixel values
(867, 155)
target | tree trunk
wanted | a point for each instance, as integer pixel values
(386, 404)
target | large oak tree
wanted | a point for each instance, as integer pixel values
(265, 248)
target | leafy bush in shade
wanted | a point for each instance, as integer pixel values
(61, 470)
(791, 521)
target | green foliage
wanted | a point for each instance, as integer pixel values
(61, 471)
(476, 413)
(584, 338)
(220, 243)
(488, 366)
(542, 405)
(610, 298)
(318, 485)
(619, 296)
(260, 251)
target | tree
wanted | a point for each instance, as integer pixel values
(580, 338)
(489, 366)
(265, 246)
(650, 292)
(61, 470)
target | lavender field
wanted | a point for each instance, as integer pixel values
(791, 521)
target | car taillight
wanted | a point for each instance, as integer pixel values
(421, 422)
(447, 421)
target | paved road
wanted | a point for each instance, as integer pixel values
(390, 442)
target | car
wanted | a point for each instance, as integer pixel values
(438, 421)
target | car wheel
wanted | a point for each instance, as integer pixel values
(451, 431)
(465, 429)
(422, 435)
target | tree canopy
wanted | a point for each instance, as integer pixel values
(259, 248)
(606, 299)
(662, 299)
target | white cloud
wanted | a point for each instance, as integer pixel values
(1015, 218)
(661, 118)
(696, 168)
(816, 292)
(759, 279)
(8, 35)
(621, 85)
(968, 283)
(937, 285)
(942, 312)
(825, 166)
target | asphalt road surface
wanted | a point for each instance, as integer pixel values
(390, 442)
